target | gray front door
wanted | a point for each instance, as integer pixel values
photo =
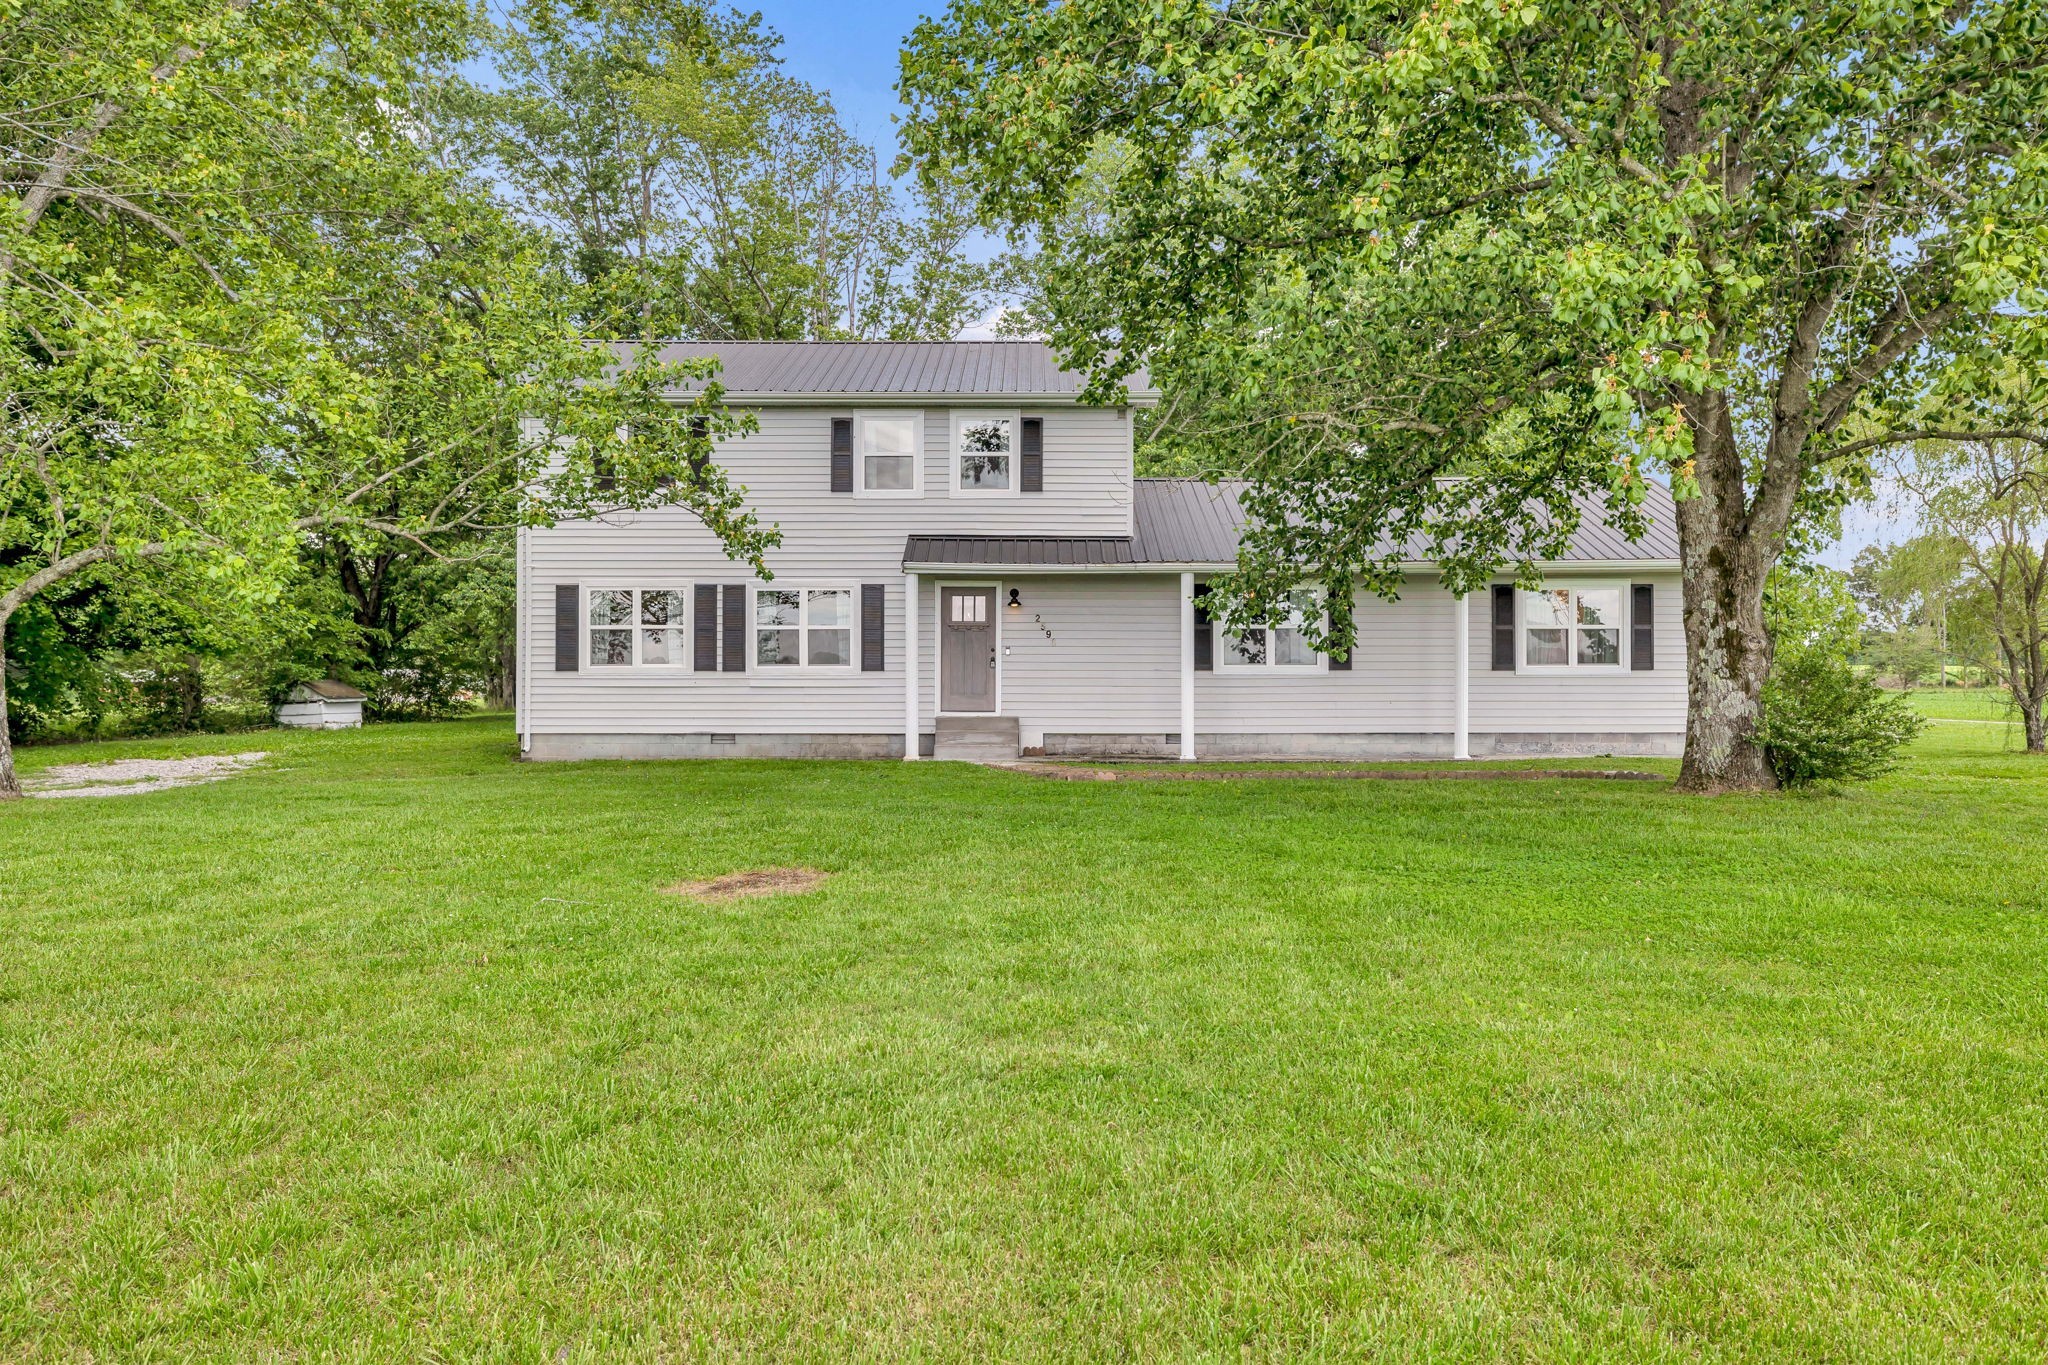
(967, 649)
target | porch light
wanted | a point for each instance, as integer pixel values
(1013, 598)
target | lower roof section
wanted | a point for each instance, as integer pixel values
(1020, 552)
(1191, 524)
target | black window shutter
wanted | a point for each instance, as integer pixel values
(1031, 450)
(707, 628)
(1205, 634)
(1503, 627)
(1642, 627)
(1338, 665)
(568, 630)
(735, 627)
(871, 627)
(842, 454)
(604, 474)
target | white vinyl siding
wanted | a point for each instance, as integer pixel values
(828, 539)
(1604, 700)
(1084, 653)
(1403, 679)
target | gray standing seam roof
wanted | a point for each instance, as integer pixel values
(1189, 521)
(886, 369)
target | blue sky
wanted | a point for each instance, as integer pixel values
(850, 50)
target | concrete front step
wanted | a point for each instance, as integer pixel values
(976, 739)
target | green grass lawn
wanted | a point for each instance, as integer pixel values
(1954, 703)
(395, 1050)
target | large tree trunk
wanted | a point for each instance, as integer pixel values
(503, 693)
(2015, 621)
(10, 786)
(2026, 687)
(1727, 648)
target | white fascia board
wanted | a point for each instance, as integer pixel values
(928, 566)
(865, 398)
(1420, 566)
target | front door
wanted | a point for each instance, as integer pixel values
(967, 649)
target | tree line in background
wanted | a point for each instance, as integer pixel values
(1967, 597)
(280, 281)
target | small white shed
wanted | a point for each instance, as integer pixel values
(323, 705)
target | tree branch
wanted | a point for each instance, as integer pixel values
(1894, 438)
(73, 146)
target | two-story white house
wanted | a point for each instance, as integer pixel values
(970, 568)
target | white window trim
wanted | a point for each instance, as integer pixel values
(917, 453)
(1220, 652)
(1571, 662)
(636, 587)
(806, 672)
(961, 418)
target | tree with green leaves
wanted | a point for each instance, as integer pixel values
(1425, 269)
(1986, 504)
(698, 190)
(1909, 593)
(244, 308)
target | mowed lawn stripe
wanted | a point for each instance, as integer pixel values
(398, 1047)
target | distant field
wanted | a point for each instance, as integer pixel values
(396, 1049)
(1957, 703)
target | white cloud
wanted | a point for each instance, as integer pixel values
(984, 329)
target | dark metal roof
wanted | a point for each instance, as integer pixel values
(1042, 551)
(854, 370)
(1189, 521)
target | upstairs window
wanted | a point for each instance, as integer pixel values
(1281, 643)
(886, 454)
(985, 453)
(637, 627)
(1572, 627)
(803, 628)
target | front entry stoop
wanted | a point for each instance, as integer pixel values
(977, 739)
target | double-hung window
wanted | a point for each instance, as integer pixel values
(1279, 644)
(985, 452)
(1571, 626)
(803, 628)
(636, 627)
(885, 452)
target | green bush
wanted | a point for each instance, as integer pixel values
(1824, 722)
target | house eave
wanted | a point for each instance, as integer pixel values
(870, 399)
(1560, 567)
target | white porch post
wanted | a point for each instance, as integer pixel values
(1187, 667)
(910, 634)
(1461, 737)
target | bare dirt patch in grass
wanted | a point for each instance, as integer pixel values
(767, 881)
(133, 776)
